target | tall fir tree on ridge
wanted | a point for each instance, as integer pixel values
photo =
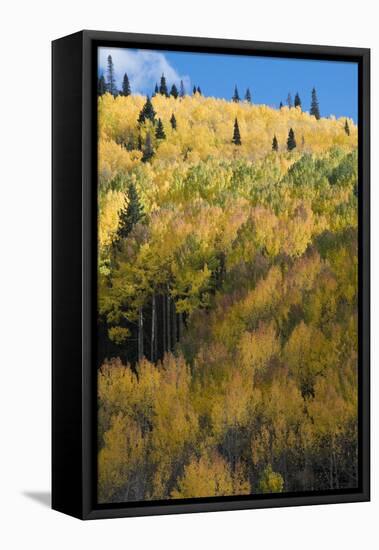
(198, 89)
(194, 90)
(111, 80)
(101, 86)
(174, 91)
(156, 90)
(248, 96)
(289, 100)
(281, 105)
(347, 128)
(291, 141)
(163, 86)
(236, 96)
(236, 134)
(275, 145)
(315, 109)
(126, 86)
(297, 102)
(182, 91)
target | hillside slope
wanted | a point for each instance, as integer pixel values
(227, 301)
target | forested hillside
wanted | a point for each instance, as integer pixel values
(227, 298)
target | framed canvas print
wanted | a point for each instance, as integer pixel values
(210, 274)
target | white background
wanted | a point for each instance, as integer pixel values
(26, 31)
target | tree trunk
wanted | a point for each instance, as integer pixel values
(156, 333)
(164, 323)
(174, 331)
(140, 334)
(153, 329)
(180, 326)
(221, 270)
(168, 312)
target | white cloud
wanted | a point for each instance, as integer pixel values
(144, 68)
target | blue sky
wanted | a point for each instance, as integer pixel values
(269, 79)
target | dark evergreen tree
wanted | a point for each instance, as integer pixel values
(148, 150)
(173, 121)
(248, 96)
(141, 117)
(163, 87)
(147, 112)
(101, 85)
(198, 90)
(236, 134)
(139, 143)
(182, 92)
(297, 102)
(289, 100)
(281, 105)
(130, 214)
(159, 132)
(194, 90)
(174, 91)
(111, 80)
(315, 109)
(156, 90)
(275, 145)
(291, 141)
(236, 96)
(126, 86)
(347, 128)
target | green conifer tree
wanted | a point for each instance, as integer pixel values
(289, 100)
(315, 109)
(163, 86)
(111, 80)
(198, 89)
(291, 141)
(173, 121)
(159, 132)
(275, 145)
(130, 214)
(297, 102)
(248, 96)
(236, 96)
(126, 86)
(236, 134)
(194, 90)
(101, 86)
(281, 105)
(147, 112)
(174, 91)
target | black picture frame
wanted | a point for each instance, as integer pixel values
(74, 206)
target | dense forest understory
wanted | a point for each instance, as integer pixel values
(227, 299)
